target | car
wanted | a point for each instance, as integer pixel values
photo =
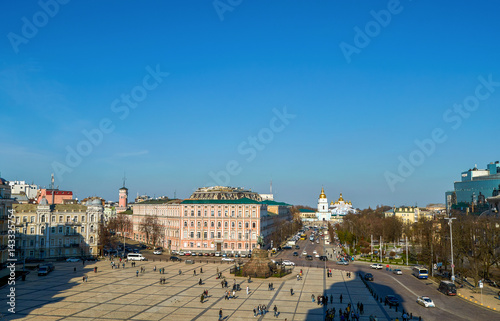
(43, 270)
(200, 254)
(73, 259)
(181, 253)
(217, 253)
(391, 300)
(315, 252)
(316, 255)
(144, 246)
(342, 262)
(187, 253)
(175, 259)
(287, 247)
(317, 241)
(425, 301)
(136, 251)
(376, 266)
(295, 254)
(368, 277)
(212, 254)
(206, 254)
(297, 247)
(50, 266)
(157, 252)
(323, 258)
(227, 259)
(243, 255)
(397, 271)
(304, 253)
(309, 257)
(288, 263)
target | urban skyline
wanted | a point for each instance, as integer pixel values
(386, 101)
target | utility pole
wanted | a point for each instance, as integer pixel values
(371, 245)
(380, 244)
(450, 221)
(406, 241)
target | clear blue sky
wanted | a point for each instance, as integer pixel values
(230, 69)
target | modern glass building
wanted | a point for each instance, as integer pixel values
(476, 185)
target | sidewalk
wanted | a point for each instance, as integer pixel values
(489, 299)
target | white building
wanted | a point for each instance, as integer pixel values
(341, 208)
(20, 187)
(323, 214)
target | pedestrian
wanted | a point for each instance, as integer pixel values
(202, 298)
(275, 311)
(74, 269)
(220, 314)
(83, 278)
(137, 273)
(291, 291)
(180, 272)
(312, 297)
(340, 298)
(154, 269)
(86, 278)
(234, 293)
(194, 272)
(248, 290)
(201, 270)
(254, 312)
(200, 282)
(123, 265)
(161, 280)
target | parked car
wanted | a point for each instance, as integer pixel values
(288, 263)
(391, 300)
(377, 266)
(316, 255)
(73, 259)
(309, 257)
(227, 259)
(323, 258)
(425, 301)
(304, 253)
(175, 259)
(50, 266)
(368, 277)
(43, 270)
(397, 271)
(157, 252)
(217, 253)
(342, 262)
(295, 254)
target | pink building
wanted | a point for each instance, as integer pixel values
(54, 196)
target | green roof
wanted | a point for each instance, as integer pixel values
(271, 203)
(238, 201)
(161, 201)
(306, 210)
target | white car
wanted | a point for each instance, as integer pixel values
(377, 266)
(425, 301)
(316, 255)
(217, 253)
(315, 252)
(227, 259)
(304, 253)
(73, 259)
(288, 263)
(397, 271)
(157, 252)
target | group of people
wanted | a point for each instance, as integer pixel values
(270, 286)
(204, 295)
(260, 310)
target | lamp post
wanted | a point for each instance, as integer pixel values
(450, 221)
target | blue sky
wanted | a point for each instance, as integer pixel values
(232, 68)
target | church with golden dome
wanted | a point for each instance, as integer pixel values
(336, 211)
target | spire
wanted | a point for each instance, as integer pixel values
(322, 195)
(124, 179)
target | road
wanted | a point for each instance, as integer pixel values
(405, 287)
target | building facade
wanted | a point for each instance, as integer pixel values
(6, 202)
(20, 187)
(475, 187)
(55, 231)
(54, 196)
(410, 214)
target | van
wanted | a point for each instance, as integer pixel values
(447, 287)
(135, 257)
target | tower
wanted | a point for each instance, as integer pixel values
(323, 213)
(123, 195)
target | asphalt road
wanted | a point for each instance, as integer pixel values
(405, 287)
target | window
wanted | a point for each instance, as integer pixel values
(218, 224)
(199, 224)
(42, 230)
(232, 224)
(239, 245)
(83, 229)
(239, 213)
(91, 228)
(32, 243)
(83, 218)
(246, 225)
(212, 213)
(185, 223)
(205, 224)
(218, 235)
(60, 229)
(205, 234)
(52, 242)
(225, 224)
(212, 224)
(91, 240)
(92, 218)
(75, 219)
(42, 218)
(192, 223)
(198, 235)
(225, 213)
(225, 235)
(32, 230)
(53, 230)
(211, 235)
(185, 213)
(232, 213)
(205, 213)
(42, 242)
(199, 213)
(239, 224)
(191, 234)
(68, 230)
(232, 235)
(32, 219)
(192, 212)
(25, 219)
(253, 225)
(68, 219)
(60, 218)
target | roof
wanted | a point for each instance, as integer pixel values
(160, 201)
(271, 203)
(306, 210)
(238, 201)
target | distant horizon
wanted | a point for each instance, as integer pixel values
(385, 101)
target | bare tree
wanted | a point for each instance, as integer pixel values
(154, 231)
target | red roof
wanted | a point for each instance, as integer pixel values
(49, 192)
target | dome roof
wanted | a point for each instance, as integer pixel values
(322, 195)
(44, 201)
(341, 199)
(96, 202)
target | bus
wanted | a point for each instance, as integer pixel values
(420, 272)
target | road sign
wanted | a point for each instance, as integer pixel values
(435, 266)
(480, 284)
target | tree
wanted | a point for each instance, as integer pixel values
(154, 231)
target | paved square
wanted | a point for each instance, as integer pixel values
(121, 294)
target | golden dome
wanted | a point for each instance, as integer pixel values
(322, 195)
(331, 203)
(340, 198)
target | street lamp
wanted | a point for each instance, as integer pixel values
(450, 221)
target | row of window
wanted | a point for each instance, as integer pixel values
(219, 213)
(219, 224)
(232, 236)
(60, 230)
(69, 219)
(53, 242)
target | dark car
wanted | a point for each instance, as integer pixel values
(295, 254)
(369, 277)
(391, 300)
(175, 259)
(297, 247)
(287, 247)
(49, 266)
(323, 258)
(309, 257)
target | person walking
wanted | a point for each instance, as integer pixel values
(275, 311)
(291, 291)
(254, 312)
(220, 314)
(137, 273)
(202, 298)
(312, 297)
(340, 298)
(248, 290)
